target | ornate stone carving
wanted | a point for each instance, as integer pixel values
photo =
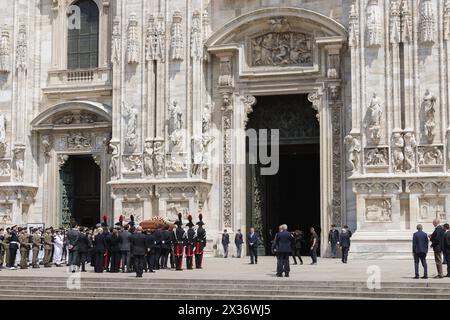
(131, 114)
(316, 99)
(19, 158)
(225, 72)
(61, 160)
(175, 124)
(5, 168)
(196, 36)
(429, 109)
(77, 118)
(97, 159)
(176, 43)
(446, 21)
(378, 210)
(115, 160)
(374, 118)
(431, 208)
(6, 213)
(200, 159)
(410, 152)
(134, 208)
(353, 152)
(3, 141)
(282, 49)
(427, 27)
(132, 164)
(353, 33)
(430, 155)
(5, 51)
(175, 165)
(395, 23)
(156, 39)
(376, 156)
(133, 40)
(46, 145)
(377, 187)
(116, 42)
(227, 185)
(249, 103)
(21, 48)
(148, 158)
(206, 119)
(159, 161)
(175, 207)
(373, 24)
(406, 22)
(404, 152)
(79, 140)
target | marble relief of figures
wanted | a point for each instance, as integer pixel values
(176, 42)
(353, 152)
(132, 163)
(430, 156)
(404, 152)
(79, 140)
(410, 151)
(378, 210)
(376, 157)
(19, 155)
(374, 118)
(5, 168)
(175, 123)
(429, 110)
(373, 26)
(427, 22)
(159, 164)
(133, 40)
(5, 51)
(131, 114)
(148, 158)
(282, 49)
(398, 156)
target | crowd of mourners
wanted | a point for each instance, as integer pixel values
(119, 248)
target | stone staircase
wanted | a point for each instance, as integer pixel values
(107, 288)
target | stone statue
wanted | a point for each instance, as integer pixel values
(131, 113)
(429, 102)
(116, 42)
(19, 164)
(114, 166)
(148, 158)
(354, 150)
(373, 21)
(374, 114)
(206, 119)
(158, 158)
(133, 40)
(3, 142)
(398, 155)
(176, 116)
(410, 153)
(376, 157)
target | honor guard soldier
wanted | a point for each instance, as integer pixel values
(165, 246)
(200, 243)
(190, 241)
(24, 248)
(48, 247)
(179, 237)
(36, 246)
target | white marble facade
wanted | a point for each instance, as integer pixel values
(175, 77)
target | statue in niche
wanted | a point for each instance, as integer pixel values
(3, 143)
(206, 119)
(114, 166)
(430, 156)
(158, 152)
(429, 108)
(373, 122)
(148, 158)
(398, 156)
(410, 154)
(354, 150)
(131, 112)
(376, 157)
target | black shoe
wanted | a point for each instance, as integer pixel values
(416, 277)
(447, 276)
(73, 271)
(251, 263)
(295, 263)
(83, 271)
(424, 277)
(151, 271)
(279, 275)
(438, 277)
(286, 274)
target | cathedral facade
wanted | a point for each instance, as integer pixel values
(140, 107)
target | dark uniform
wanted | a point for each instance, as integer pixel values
(282, 246)
(13, 247)
(165, 247)
(190, 243)
(99, 249)
(150, 243)
(200, 243)
(179, 237)
(139, 249)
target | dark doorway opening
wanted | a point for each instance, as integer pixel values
(80, 177)
(292, 196)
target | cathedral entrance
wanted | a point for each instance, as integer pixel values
(80, 191)
(292, 195)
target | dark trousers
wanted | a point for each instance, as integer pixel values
(150, 261)
(139, 262)
(225, 250)
(126, 260)
(81, 260)
(73, 258)
(157, 257)
(296, 254)
(115, 261)
(12, 257)
(314, 254)
(172, 258)
(345, 254)
(164, 257)
(253, 254)
(423, 259)
(99, 262)
(198, 260)
(283, 263)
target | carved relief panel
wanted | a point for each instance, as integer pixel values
(431, 208)
(378, 210)
(134, 208)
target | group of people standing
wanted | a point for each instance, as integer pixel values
(123, 247)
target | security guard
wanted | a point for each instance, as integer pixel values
(200, 242)
(36, 242)
(190, 241)
(24, 248)
(179, 239)
(48, 247)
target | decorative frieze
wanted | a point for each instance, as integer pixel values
(430, 156)
(133, 45)
(5, 51)
(431, 208)
(132, 164)
(79, 141)
(176, 42)
(376, 157)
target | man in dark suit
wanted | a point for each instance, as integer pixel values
(238, 241)
(420, 250)
(83, 247)
(139, 249)
(446, 246)
(124, 243)
(344, 242)
(165, 246)
(150, 243)
(253, 240)
(436, 243)
(157, 247)
(99, 250)
(282, 247)
(333, 240)
(314, 245)
(225, 243)
(72, 242)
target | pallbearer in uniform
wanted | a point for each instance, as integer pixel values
(48, 247)
(165, 246)
(36, 245)
(179, 237)
(200, 243)
(24, 248)
(190, 242)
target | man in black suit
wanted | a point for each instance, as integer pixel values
(446, 246)
(72, 242)
(138, 249)
(252, 241)
(282, 247)
(157, 234)
(150, 243)
(333, 240)
(124, 241)
(165, 246)
(225, 243)
(344, 241)
(83, 247)
(238, 241)
(99, 250)
(420, 250)
(436, 243)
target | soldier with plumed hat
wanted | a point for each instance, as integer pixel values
(179, 239)
(131, 223)
(120, 223)
(200, 242)
(190, 242)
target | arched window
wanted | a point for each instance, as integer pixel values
(82, 44)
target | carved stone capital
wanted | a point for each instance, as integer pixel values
(249, 102)
(315, 98)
